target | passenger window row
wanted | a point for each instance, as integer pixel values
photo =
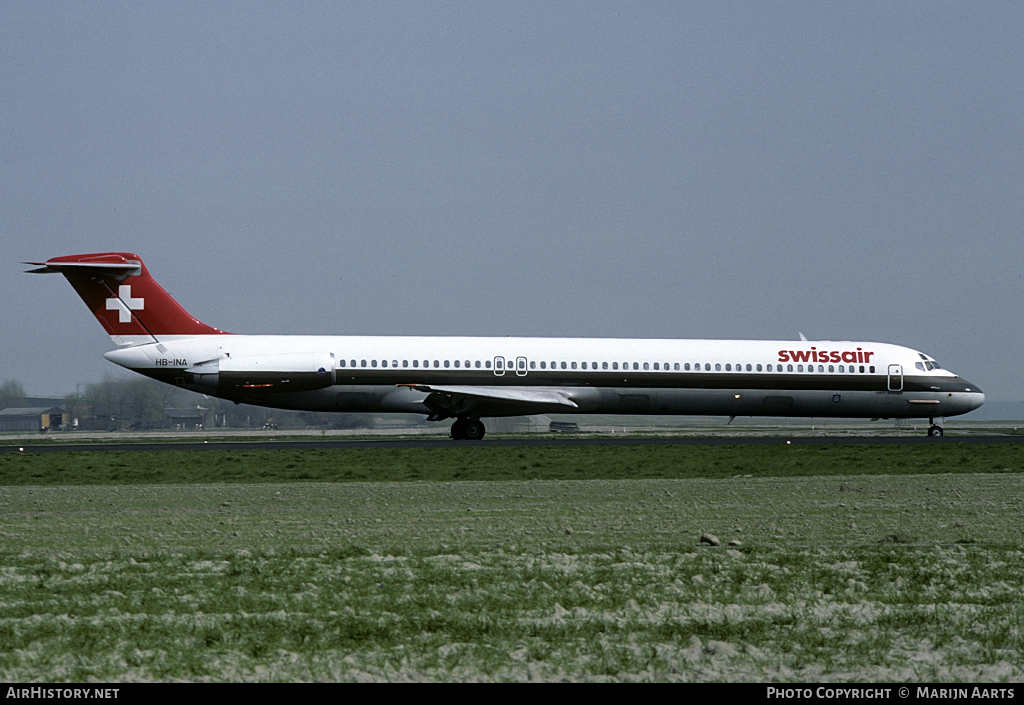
(612, 366)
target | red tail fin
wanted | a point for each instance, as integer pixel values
(127, 301)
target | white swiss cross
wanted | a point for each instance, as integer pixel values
(125, 304)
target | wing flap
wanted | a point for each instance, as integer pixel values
(459, 400)
(522, 395)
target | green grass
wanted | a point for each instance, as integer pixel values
(775, 614)
(487, 463)
(853, 563)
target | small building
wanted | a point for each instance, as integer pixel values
(186, 419)
(33, 418)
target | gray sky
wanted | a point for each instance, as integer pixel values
(849, 170)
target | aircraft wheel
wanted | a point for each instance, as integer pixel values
(935, 431)
(473, 430)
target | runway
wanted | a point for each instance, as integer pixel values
(440, 443)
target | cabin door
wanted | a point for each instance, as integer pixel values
(895, 378)
(521, 366)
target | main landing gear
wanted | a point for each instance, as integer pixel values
(466, 429)
(935, 430)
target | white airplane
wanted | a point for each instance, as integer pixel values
(467, 379)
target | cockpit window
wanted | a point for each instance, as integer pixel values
(929, 364)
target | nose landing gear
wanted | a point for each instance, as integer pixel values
(467, 429)
(935, 430)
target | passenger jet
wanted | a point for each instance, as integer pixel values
(468, 378)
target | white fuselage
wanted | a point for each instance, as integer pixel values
(512, 376)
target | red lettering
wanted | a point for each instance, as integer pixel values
(815, 355)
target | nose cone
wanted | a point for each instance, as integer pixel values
(972, 395)
(977, 399)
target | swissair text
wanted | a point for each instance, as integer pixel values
(815, 355)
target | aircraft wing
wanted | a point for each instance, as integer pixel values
(456, 400)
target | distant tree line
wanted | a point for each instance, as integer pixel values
(11, 394)
(143, 404)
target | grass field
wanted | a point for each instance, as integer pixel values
(853, 563)
(461, 462)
